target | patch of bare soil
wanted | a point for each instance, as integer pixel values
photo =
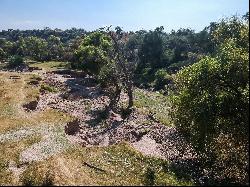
(149, 138)
(148, 146)
(74, 98)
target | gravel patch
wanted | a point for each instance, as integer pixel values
(16, 135)
(53, 141)
(173, 145)
(73, 98)
(148, 146)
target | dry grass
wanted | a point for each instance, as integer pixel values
(10, 152)
(153, 103)
(118, 165)
(51, 65)
(15, 93)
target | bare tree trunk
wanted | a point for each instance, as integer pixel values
(130, 96)
(121, 59)
(114, 98)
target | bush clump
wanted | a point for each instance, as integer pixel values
(48, 88)
(15, 61)
(162, 78)
(211, 105)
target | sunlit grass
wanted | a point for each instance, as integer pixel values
(51, 65)
(113, 165)
(154, 103)
(10, 152)
(15, 93)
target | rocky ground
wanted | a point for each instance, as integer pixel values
(82, 99)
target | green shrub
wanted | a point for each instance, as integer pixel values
(15, 61)
(2, 54)
(149, 177)
(48, 88)
(211, 108)
(162, 78)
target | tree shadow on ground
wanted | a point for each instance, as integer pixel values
(187, 170)
(98, 117)
(86, 88)
(192, 170)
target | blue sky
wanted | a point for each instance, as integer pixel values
(129, 14)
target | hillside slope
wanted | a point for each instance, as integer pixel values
(51, 132)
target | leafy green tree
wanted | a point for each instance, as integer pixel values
(2, 54)
(93, 52)
(8, 47)
(211, 105)
(55, 47)
(151, 50)
(93, 57)
(232, 28)
(104, 54)
(162, 78)
(33, 47)
(45, 44)
(159, 50)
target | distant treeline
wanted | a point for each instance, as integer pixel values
(156, 49)
(160, 53)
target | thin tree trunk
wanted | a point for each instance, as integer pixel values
(130, 96)
(115, 98)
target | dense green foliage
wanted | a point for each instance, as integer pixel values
(211, 105)
(42, 45)
(15, 61)
(93, 53)
(168, 52)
